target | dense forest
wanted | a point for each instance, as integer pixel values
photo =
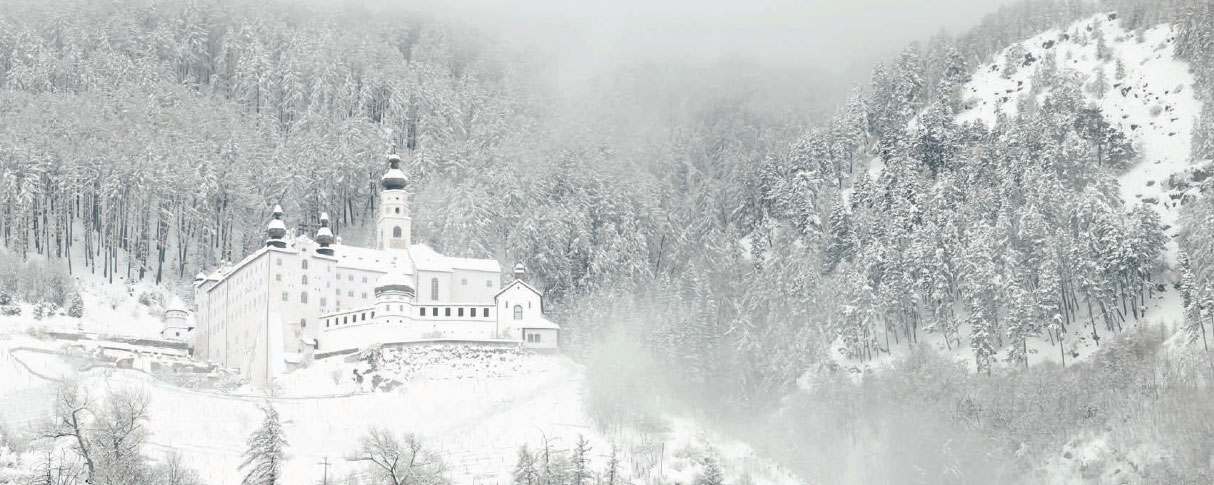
(747, 243)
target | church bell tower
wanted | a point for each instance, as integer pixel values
(395, 225)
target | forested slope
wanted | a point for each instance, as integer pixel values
(745, 243)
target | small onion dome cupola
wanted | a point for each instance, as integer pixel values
(394, 283)
(277, 230)
(520, 271)
(324, 236)
(394, 178)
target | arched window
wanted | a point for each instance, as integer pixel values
(434, 289)
(518, 312)
(303, 297)
(304, 264)
(398, 210)
(303, 279)
(396, 231)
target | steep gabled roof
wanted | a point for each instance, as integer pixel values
(512, 284)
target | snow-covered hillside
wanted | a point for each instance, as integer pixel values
(474, 407)
(1147, 94)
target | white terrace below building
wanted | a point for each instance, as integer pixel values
(297, 298)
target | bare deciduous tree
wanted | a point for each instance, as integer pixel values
(398, 462)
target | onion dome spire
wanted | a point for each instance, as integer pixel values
(277, 230)
(520, 271)
(394, 178)
(324, 236)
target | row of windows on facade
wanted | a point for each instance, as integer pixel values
(303, 279)
(357, 317)
(518, 315)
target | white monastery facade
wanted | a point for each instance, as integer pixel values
(310, 297)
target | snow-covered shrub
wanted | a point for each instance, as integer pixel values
(41, 310)
(1156, 110)
(10, 310)
(34, 280)
(151, 299)
(75, 308)
(5, 298)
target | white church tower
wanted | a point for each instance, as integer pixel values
(395, 225)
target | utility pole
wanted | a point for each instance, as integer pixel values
(325, 463)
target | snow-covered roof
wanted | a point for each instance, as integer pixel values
(514, 283)
(427, 259)
(229, 269)
(394, 281)
(540, 323)
(372, 259)
(175, 304)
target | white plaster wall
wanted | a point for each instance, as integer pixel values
(548, 338)
(470, 286)
(423, 286)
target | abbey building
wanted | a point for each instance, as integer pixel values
(297, 298)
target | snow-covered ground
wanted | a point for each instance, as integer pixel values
(474, 407)
(1152, 100)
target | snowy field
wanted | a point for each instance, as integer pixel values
(473, 407)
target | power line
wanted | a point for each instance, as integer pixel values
(326, 464)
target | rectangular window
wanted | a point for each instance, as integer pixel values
(461, 311)
(278, 277)
(364, 279)
(448, 312)
(423, 311)
(463, 281)
(322, 301)
(284, 296)
(434, 312)
(488, 283)
(364, 295)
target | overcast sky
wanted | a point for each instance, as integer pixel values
(586, 35)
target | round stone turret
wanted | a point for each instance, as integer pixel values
(394, 284)
(324, 236)
(394, 178)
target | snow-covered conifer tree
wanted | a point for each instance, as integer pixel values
(266, 453)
